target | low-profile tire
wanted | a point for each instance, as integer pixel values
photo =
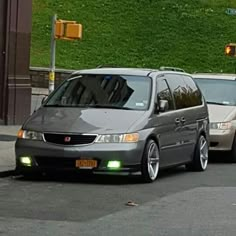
(200, 156)
(233, 151)
(150, 162)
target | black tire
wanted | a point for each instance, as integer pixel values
(199, 162)
(146, 172)
(233, 151)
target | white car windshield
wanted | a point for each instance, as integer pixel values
(218, 91)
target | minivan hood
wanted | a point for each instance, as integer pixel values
(82, 120)
(219, 113)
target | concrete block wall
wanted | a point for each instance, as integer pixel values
(39, 76)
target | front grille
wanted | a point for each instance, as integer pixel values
(69, 139)
(52, 162)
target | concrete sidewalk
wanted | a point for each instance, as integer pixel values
(8, 136)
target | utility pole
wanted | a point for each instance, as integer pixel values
(52, 56)
(61, 30)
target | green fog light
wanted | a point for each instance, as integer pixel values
(26, 161)
(113, 164)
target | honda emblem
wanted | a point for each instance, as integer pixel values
(67, 139)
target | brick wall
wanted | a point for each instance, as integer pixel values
(39, 76)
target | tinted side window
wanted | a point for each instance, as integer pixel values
(185, 91)
(179, 90)
(163, 93)
(195, 97)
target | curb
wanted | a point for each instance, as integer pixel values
(7, 173)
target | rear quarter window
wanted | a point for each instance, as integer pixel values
(194, 94)
(185, 91)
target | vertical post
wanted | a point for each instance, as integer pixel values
(15, 84)
(53, 56)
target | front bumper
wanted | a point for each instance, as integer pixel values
(221, 140)
(50, 157)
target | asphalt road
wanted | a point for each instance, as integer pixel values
(178, 203)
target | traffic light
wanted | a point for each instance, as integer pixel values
(230, 50)
(73, 31)
(59, 29)
(68, 30)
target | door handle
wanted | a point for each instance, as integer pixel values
(182, 120)
(177, 121)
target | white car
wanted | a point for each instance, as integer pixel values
(219, 91)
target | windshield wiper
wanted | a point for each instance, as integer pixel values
(89, 106)
(217, 103)
(54, 105)
(109, 106)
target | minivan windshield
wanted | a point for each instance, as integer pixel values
(103, 91)
(218, 91)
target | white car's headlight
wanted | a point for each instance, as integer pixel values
(221, 125)
(118, 138)
(28, 134)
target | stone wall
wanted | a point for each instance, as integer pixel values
(39, 76)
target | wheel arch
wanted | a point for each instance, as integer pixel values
(203, 129)
(155, 138)
(234, 141)
(203, 133)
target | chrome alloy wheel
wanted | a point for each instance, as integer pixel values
(203, 152)
(153, 161)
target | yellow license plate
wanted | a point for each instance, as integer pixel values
(86, 164)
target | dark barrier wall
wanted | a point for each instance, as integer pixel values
(15, 39)
(2, 58)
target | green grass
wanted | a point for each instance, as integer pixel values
(138, 33)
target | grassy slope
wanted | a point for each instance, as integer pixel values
(144, 33)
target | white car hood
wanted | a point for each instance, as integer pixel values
(219, 113)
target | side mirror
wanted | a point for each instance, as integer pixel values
(163, 105)
(44, 99)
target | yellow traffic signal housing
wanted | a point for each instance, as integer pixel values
(68, 30)
(59, 29)
(73, 31)
(230, 49)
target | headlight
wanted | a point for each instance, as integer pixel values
(118, 138)
(28, 134)
(221, 126)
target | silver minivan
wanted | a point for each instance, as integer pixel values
(116, 121)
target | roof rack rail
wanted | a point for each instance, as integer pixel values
(202, 72)
(171, 68)
(108, 66)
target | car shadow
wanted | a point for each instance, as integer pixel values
(219, 158)
(76, 178)
(99, 179)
